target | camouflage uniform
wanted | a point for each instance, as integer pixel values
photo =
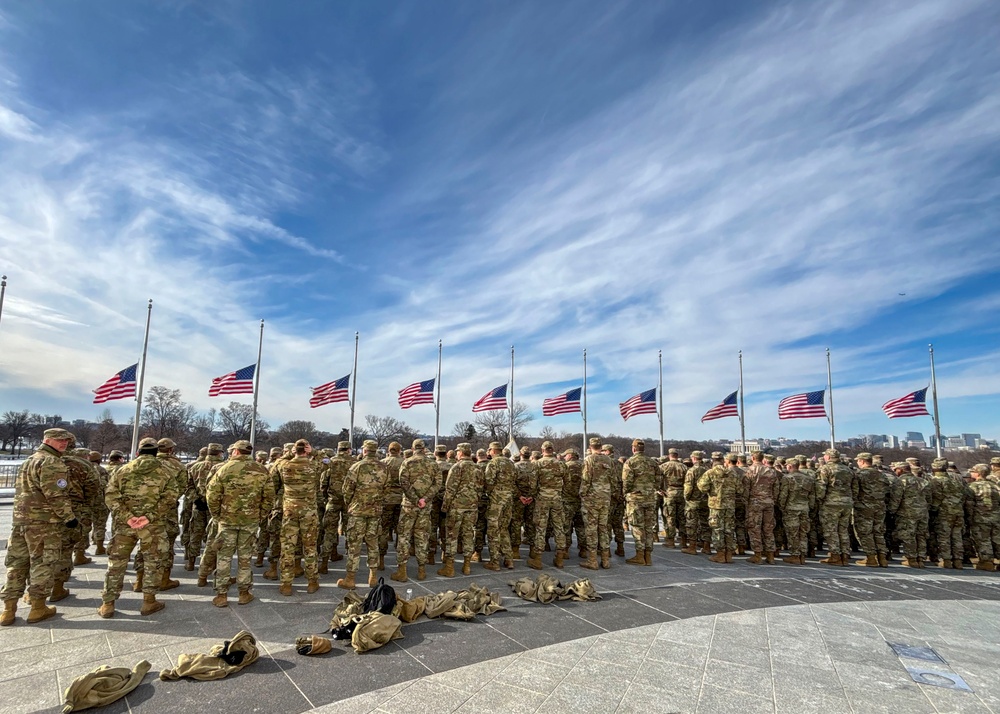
(836, 491)
(101, 512)
(461, 504)
(695, 506)
(550, 477)
(418, 479)
(639, 479)
(948, 498)
(908, 502)
(438, 517)
(720, 484)
(742, 539)
(484, 504)
(270, 530)
(173, 528)
(520, 517)
(197, 482)
(761, 493)
(985, 518)
(869, 513)
(616, 514)
(41, 511)
(393, 499)
(572, 504)
(240, 494)
(797, 498)
(596, 486)
(499, 486)
(83, 490)
(672, 485)
(364, 494)
(335, 514)
(299, 519)
(187, 510)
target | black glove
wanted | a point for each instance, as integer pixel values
(73, 523)
(201, 504)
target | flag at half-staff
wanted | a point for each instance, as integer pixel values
(417, 393)
(913, 404)
(238, 382)
(331, 392)
(493, 400)
(121, 386)
(726, 409)
(802, 406)
(641, 403)
(566, 403)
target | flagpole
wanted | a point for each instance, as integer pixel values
(829, 387)
(437, 402)
(3, 289)
(256, 386)
(142, 377)
(659, 402)
(743, 430)
(510, 413)
(354, 392)
(937, 422)
(584, 400)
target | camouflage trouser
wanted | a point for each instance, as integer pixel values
(517, 511)
(815, 529)
(209, 558)
(780, 539)
(642, 523)
(320, 532)
(334, 519)
(742, 539)
(362, 529)
(173, 529)
(72, 538)
(573, 520)
(86, 523)
(238, 540)
(932, 541)
(387, 525)
(911, 531)
(414, 527)
(696, 521)
(100, 527)
(270, 537)
(438, 520)
(185, 522)
(480, 527)
(547, 512)
(948, 527)
(298, 522)
(673, 515)
(198, 526)
(595, 514)
(869, 528)
(498, 527)
(836, 520)
(123, 541)
(760, 527)
(33, 552)
(461, 526)
(529, 525)
(797, 530)
(722, 521)
(616, 520)
(986, 535)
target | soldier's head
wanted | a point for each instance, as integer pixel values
(481, 455)
(731, 459)
(418, 446)
(939, 465)
(275, 453)
(464, 450)
(831, 455)
(166, 446)
(792, 465)
(741, 459)
(571, 454)
(717, 457)
(525, 453)
(877, 460)
(496, 448)
(302, 447)
(215, 449)
(394, 448)
(757, 456)
(995, 463)
(608, 449)
(58, 439)
(116, 457)
(594, 444)
(673, 454)
(450, 454)
(769, 459)
(979, 471)
(548, 448)
(407, 453)
(147, 447)
(441, 451)
(369, 447)
(260, 457)
(94, 457)
(901, 467)
(343, 447)
(638, 446)
(864, 460)
(536, 455)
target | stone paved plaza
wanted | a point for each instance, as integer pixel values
(684, 635)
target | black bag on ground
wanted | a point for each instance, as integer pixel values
(382, 598)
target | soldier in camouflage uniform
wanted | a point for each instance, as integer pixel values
(815, 528)
(391, 507)
(639, 479)
(908, 503)
(498, 484)
(869, 513)
(99, 529)
(596, 485)
(187, 510)
(165, 453)
(266, 538)
(761, 494)
(275, 521)
(42, 511)
(418, 478)
(239, 495)
(364, 494)
(720, 484)
(550, 478)
(521, 503)
(462, 491)
(139, 496)
(84, 488)
(696, 508)
(836, 491)
(948, 500)
(796, 498)
(742, 486)
(299, 519)
(616, 514)
(484, 503)
(985, 517)
(197, 482)
(572, 504)
(672, 489)
(438, 518)
(335, 513)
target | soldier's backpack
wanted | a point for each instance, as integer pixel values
(382, 598)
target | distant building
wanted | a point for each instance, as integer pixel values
(745, 447)
(916, 444)
(891, 442)
(914, 436)
(971, 439)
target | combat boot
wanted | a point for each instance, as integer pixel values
(372, 578)
(508, 563)
(883, 560)
(189, 564)
(791, 559)
(9, 610)
(606, 558)
(638, 559)
(39, 611)
(706, 547)
(921, 563)
(335, 556)
(202, 581)
(324, 566)
(347, 582)
(221, 600)
(811, 551)
(99, 548)
(690, 548)
(312, 586)
(769, 557)
(648, 555)
(259, 563)
(59, 592)
(516, 553)
(447, 569)
(381, 561)
(534, 561)
(870, 562)
(491, 564)
(620, 550)
(80, 558)
(272, 572)
(137, 585)
(740, 550)
(166, 583)
(400, 575)
(430, 556)
(476, 556)
(719, 557)
(560, 555)
(285, 589)
(299, 572)
(591, 563)
(956, 564)
(584, 554)
(755, 559)
(150, 605)
(831, 559)
(729, 555)
(421, 572)
(245, 597)
(107, 610)
(467, 566)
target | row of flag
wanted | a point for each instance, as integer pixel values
(798, 406)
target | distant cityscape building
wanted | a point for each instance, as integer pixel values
(914, 436)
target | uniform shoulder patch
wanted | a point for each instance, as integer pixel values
(61, 483)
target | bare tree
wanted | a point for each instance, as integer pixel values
(200, 432)
(298, 429)
(165, 414)
(547, 434)
(386, 429)
(495, 425)
(108, 435)
(235, 420)
(15, 425)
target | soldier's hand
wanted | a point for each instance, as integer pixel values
(422, 502)
(72, 523)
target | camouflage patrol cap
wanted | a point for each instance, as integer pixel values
(756, 452)
(571, 451)
(594, 442)
(673, 452)
(242, 445)
(407, 453)
(697, 454)
(639, 443)
(732, 458)
(260, 454)
(525, 451)
(464, 447)
(981, 469)
(82, 452)
(288, 445)
(496, 445)
(440, 449)
(395, 446)
(899, 465)
(536, 454)
(548, 446)
(832, 453)
(369, 445)
(165, 443)
(418, 444)
(995, 461)
(876, 457)
(716, 454)
(147, 443)
(863, 456)
(275, 451)
(343, 446)
(769, 458)
(59, 434)
(607, 447)
(116, 454)
(301, 443)
(939, 464)
(792, 462)
(912, 460)
(214, 448)
(95, 456)
(203, 451)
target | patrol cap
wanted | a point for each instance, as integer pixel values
(607, 447)
(407, 453)
(732, 458)
(440, 449)
(343, 446)
(301, 443)
(147, 443)
(395, 446)
(673, 452)
(536, 454)
(242, 445)
(639, 443)
(370, 445)
(571, 451)
(259, 454)
(716, 454)
(863, 456)
(831, 453)
(165, 443)
(116, 454)
(496, 445)
(60, 434)
(214, 448)
(939, 464)
(204, 450)
(912, 460)
(981, 469)
(275, 451)
(82, 452)
(95, 456)
(995, 461)
(792, 462)
(547, 446)
(289, 445)
(877, 457)
(769, 458)
(481, 453)
(525, 451)
(464, 447)
(418, 444)
(697, 454)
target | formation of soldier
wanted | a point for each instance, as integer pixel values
(293, 505)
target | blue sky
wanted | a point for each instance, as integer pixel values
(696, 178)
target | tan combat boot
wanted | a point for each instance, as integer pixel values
(202, 581)
(740, 550)
(400, 575)
(137, 585)
(559, 557)
(285, 589)
(706, 547)
(467, 566)
(719, 557)
(372, 578)
(729, 555)
(421, 572)
(259, 562)
(516, 553)
(312, 586)
(957, 564)
(166, 583)
(9, 610)
(606, 558)
(107, 610)
(534, 561)
(620, 549)
(769, 557)
(883, 560)
(150, 605)
(430, 555)
(791, 559)
(755, 559)
(347, 582)
(324, 565)
(508, 563)
(189, 564)
(831, 559)
(870, 561)
(272, 572)
(648, 556)
(80, 558)
(476, 556)
(447, 569)
(221, 600)
(334, 555)
(690, 548)
(491, 564)
(638, 559)
(99, 548)
(591, 563)
(39, 611)
(245, 597)
(59, 592)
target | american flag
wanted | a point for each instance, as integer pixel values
(238, 382)
(492, 400)
(417, 393)
(642, 403)
(121, 386)
(726, 409)
(913, 404)
(330, 392)
(802, 406)
(563, 404)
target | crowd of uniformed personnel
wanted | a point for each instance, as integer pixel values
(293, 505)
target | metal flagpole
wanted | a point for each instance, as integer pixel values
(3, 289)
(142, 377)
(937, 421)
(584, 401)
(256, 386)
(354, 392)
(743, 429)
(829, 388)
(510, 412)
(659, 403)
(437, 402)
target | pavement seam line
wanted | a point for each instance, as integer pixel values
(833, 663)
(273, 659)
(708, 657)
(770, 658)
